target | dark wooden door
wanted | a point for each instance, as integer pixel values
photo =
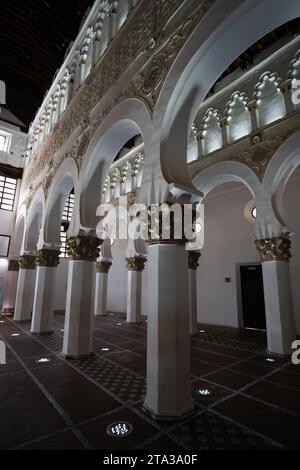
(253, 297)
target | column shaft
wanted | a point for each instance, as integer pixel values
(102, 268)
(83, 252)
(44, 296)
(281, 331)
(11, 287)
(168, 345)
(135, 266)
(25, 289)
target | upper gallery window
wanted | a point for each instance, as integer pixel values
(8, 188)
(5, 139)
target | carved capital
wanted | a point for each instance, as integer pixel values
(274, 249)
(194, 257)
(48, 258)
(27, 262)
(13, 265)
(136, 264)
(82, 248)
(165, 226)
(103, 267)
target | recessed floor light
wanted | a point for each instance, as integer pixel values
(270, 359)
(120, 429)
(43, 360)
(62, 331)
(119, 324)
(16, 334)
(2, 321)
(204, 392)
(111, 314)
(105, 349)
(202, 331)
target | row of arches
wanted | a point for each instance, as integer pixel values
(223, 34)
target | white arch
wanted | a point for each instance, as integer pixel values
(225, 172)
(284, 162)
(127, 119)
(34, 221)
(225, 32)
(65, 179)
(18, 235)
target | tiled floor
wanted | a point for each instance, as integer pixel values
(253, 403)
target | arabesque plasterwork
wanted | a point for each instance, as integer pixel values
(146, 32)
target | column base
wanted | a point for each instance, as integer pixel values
(169, 419)
(67, 357)
(43, 333)
(280, 356)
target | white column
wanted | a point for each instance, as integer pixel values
(11, 286)
(281, 332)
(135, 266)
(194, 257)
(83, 252)
(287, 93)
(168, 344)
(252, 106)
(43, 305)
(102, 273)
(25, 288)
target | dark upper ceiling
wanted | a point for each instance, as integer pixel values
(34, 38)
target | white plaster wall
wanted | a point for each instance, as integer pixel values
(117, 281)
(292, 211)
(228, 241)
(3, 274)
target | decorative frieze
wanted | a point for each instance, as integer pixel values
(13, 265)
(259, 155)
(136, 263)
(27, 262)
(103, 267)
(82, 248)
(274, 249)
(194, 257)
(147, 22)
(48, 258)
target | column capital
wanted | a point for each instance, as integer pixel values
(136, 263)
(13, 265)
(103, 267)
(194, 257)
(274, 249)
(27, 262)
(165, 226)
(83, 248)
(48, 258)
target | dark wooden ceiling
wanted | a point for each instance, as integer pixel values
(34, 37)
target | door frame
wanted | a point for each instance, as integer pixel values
(239, 292)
